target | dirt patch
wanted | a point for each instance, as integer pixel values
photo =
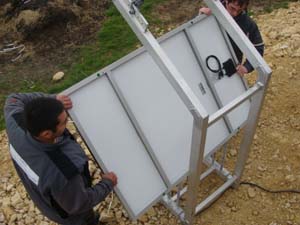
(38, 36)
(54, 22)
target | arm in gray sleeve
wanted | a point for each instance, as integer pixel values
(15, 102)
(75, 198)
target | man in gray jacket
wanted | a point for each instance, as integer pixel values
(49, 162)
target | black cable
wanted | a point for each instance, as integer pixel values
(254, 185)
(219, 70)
(270, 191)
(217, 60)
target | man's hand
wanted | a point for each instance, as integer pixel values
(111, 176)
(241, 70)
(65, 100)
(204, 10)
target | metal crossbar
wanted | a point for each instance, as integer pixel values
(234, 103)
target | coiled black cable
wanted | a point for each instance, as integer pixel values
(219, 70)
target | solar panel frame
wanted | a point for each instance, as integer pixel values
(107, 72)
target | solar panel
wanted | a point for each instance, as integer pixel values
(137, 126)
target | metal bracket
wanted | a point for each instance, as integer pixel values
(134, 10)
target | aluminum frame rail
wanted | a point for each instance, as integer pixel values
(264, 75)
(201, 119)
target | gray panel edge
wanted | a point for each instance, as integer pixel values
(82, 83)
(181, 28)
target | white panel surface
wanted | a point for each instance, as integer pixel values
(116, 145)
(180, 52)
(211, 42)
(165, 120)
(239, 115)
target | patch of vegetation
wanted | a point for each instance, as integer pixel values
(277, 5)
(115, 40)
(2, 99)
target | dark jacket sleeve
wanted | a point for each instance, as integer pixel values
(16, 102)
(256, 39)
(75, 198)
(13, 108)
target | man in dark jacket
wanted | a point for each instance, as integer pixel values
(238, 10)
(49, 162)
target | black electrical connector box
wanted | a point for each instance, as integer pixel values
(229, 67)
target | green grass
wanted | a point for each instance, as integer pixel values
(277, 5)
(114, 40)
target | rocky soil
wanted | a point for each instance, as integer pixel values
(273, 162)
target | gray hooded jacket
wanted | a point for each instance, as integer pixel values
(56, 176)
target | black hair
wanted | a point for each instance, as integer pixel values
(241, 3)
(41, 114)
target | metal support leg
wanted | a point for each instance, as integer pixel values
(251, 125)
(223, 156)
(203, 176)
(224, 173)
(196, 166)
(174, 208)
(214, 196)
(179, 189)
